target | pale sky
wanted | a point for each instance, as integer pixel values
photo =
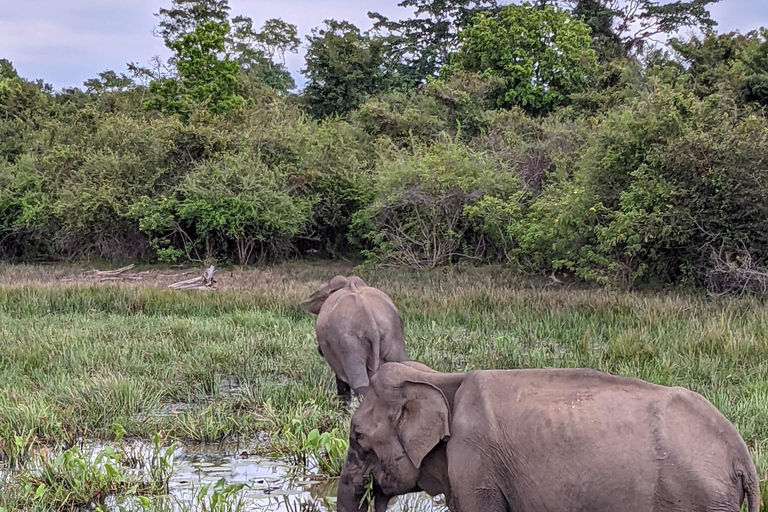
(67, 42)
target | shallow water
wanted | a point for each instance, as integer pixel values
(271, 484)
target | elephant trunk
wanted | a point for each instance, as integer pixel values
(352, 484)
(348, 500)
(351, 500)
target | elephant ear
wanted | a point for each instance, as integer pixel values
(425, 420)
(317, 299)
(357, 281)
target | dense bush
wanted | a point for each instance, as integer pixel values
(418, 215)
(662, 190)
(651, 170)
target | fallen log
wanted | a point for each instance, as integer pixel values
(202, 282)
(115, 272)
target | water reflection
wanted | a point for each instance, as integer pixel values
(272, 485)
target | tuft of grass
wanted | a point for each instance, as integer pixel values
(76, 480)
(240, 361)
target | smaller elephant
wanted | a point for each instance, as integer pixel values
(358, 328)
(543, 440)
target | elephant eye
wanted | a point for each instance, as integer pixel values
(358, 436)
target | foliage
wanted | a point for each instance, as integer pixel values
(221, 497)
(655, 191)
(520, 151)
(73, 480)
(310, 447)
(185, 16)
(417, 215)
(343, 68)
(231, 203)
(261, 54)
(622, 28)
(637, 22)
(540, 55)
(21, 104)
(108, 81)
(731, 63)
(423, 43)
(204, 79)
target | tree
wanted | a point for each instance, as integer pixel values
(726, 62)
(21, 101)
(205, 78)
(185, 16)
(343, 68)
(540, 55)
(261, 54)
(423, 43)
(633, 23)
(108, 81)
(600, 18)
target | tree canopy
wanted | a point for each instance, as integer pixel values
(540, 55)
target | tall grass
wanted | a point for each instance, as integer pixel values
(241, 361)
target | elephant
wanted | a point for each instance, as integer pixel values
(358, 328)
(536, 440)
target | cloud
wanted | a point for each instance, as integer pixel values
(741, 15)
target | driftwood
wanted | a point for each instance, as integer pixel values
(136, 277)
(119, 274)
(177, 274)
(116, 272)
(201, 283)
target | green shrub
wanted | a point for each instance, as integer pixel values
(665, 191)
(240, 205)
(417, 217)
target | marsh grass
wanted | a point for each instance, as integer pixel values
(240, 361)
(77, 479)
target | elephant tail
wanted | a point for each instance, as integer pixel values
(751, 486)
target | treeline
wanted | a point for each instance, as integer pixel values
(552, 138)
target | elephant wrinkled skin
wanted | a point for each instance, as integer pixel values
(543, 440)
(358, 328)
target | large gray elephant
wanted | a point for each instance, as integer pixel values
(358, 328)
(543, 440)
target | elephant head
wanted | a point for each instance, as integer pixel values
(402, 418)
(317, 299)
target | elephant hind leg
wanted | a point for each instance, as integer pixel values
(343, 391)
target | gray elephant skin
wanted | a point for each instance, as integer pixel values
(543, 440)
(358, 328)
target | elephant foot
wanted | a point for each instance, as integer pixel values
(343, 391)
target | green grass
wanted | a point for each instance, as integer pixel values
(241, 361)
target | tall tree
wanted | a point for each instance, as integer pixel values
(108, 81)
(343, 67)
(184, 16)
(540, 55)
(261, 54)
(423, 42)
(600, 19)
(735, 63)
(634, 23)
(205, 78)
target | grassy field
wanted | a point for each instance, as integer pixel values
(82, 358)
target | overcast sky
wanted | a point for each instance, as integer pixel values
(67, 42)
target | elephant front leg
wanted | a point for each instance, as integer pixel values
(343, 391)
